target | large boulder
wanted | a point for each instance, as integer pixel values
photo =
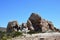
(12, 26)
(36, 20)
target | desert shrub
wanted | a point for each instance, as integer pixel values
(34, 32)
(31, 32)
(4, 38)
(16, 34)
(3, 35)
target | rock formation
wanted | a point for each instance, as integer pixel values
(12, 26)
(40, 24)
(35, 22)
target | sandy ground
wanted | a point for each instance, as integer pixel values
(39, 36)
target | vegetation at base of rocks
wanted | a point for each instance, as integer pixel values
(34, 32)
(5, 35)
(14, 34)
(4, 38)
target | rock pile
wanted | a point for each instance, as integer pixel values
(35, 22)
(40, 24)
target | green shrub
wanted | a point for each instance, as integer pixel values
(2, 34)
(14, 34)
(4, 38)
(17, 34)
(34, 32)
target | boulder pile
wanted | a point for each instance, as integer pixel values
(35, 22)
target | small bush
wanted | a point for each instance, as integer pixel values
(4, 38)
(2, 34)
(17, 33)
(14, 34)
(34, 32)
(30, 32)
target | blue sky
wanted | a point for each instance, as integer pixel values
(20, 10)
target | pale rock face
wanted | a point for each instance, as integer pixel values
(44, 24)
(15, 29)
(29, 25)
(24, 25)
(25, 30)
